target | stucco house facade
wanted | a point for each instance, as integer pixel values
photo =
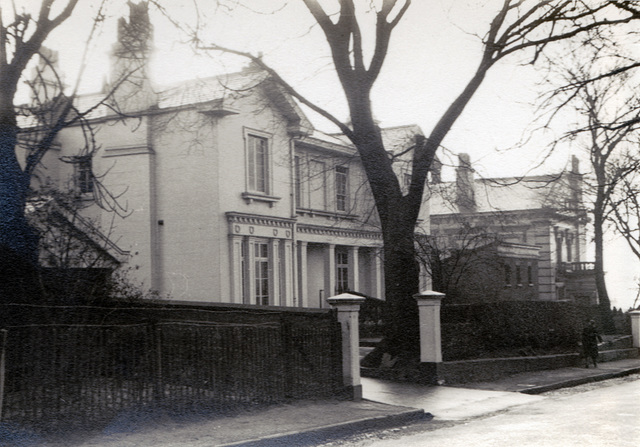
(226, 191)
(539, 225)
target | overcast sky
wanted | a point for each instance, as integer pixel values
(434, 50)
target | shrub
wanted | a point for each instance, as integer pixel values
(511, 328)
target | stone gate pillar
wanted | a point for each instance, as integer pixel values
(635, 327)
(430, 336)
(348, 307)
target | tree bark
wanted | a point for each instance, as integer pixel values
(402, 276)
(604, 303)
(15, 233)
(399, 213)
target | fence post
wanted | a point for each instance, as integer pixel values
(158, 382)
(430, 335)
(635, 327)
(3, 348)
(347, 307)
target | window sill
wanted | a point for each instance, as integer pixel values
(85, 196)
(329, 214)
(250, 197)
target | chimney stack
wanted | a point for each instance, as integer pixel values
(130, 60)
(575, 183)
(436, 171)
(47, 81)
(465, 188)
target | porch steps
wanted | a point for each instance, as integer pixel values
(617, 354)
(364, 350)
(616, 342)
(367, 345)
(370, 342)
(617, 347)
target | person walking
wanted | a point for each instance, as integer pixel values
(590, 339)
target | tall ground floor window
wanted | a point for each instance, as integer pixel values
(342, 270)
(261, 263)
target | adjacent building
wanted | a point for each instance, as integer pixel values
(537, 230)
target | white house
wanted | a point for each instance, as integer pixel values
(230, 194)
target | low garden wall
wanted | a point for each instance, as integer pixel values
(463, 371)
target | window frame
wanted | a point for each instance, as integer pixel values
(342, 270)
(84, 175)
(258, 172)
(342, 197)
(261, 284)
(508, 274)
(406, 181)
(297, 179)
(317, 184)
(251, 186)
(252, 190)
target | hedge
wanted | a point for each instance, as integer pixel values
(511, 328)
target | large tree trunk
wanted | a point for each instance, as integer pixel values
(398, 220)
(601, 286)
(604, 304)
(15, 233)
(18, 242)
(402, 277)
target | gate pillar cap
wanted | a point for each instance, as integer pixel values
(429, 295)
(345, 299)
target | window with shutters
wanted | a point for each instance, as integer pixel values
(258, 164)
(342, 188)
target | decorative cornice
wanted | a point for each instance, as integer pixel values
(255, 219)
(120, 151)
(337, 215)
(339, 232)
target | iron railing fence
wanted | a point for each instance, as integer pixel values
(87, 374)
(75, 374)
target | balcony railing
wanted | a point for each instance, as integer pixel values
(569, 267)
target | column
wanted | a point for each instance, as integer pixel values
(235, 268)
(354, 269)
(377, 274)
(288, 282)
(274, 247)
(347, 307)
(250, 297)
(429, 312)
(635, 327)
(329, 270)
(303, 288)
(546, 269)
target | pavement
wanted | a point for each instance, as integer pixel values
(385, 405)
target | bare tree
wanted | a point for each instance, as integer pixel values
(20, 40)
(464, 257)
(32, 129)
(625, 202)
(607, 110)
(517, 27)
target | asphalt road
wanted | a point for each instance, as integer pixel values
(601, 414)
